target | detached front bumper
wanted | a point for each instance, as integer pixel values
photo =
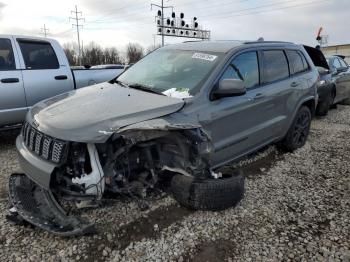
(37, 169)
(33, 201)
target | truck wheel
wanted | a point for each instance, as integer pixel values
(208, 194)
(297, 134)
(323, 107)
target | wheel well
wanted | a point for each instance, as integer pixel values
(334, 90)
(311, 105)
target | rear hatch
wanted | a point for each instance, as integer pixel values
(317, 57)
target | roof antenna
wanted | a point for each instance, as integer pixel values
(261, 39)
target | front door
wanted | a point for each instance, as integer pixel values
(237, 125)
(12, 97)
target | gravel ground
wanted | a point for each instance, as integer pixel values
(297, 207)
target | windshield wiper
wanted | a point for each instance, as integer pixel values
(121, 83)
(145, 88)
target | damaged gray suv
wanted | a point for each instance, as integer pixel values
(180, 113)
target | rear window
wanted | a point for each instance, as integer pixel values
(7, 60)
(275, 65)
(296, 63)
(38, 55)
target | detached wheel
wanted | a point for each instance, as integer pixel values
(299, 131)
(208, 194)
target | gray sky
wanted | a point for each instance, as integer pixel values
(116, 22)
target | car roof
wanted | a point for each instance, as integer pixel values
(223, 46)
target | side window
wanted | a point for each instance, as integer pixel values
(7, 59)
(336, 63)
(342, 63)
(244, 67)
(38, 55)
(295, 62)
(275, 66)
(306, 64)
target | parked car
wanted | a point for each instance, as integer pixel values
(340, 71)
(33, 69)
(180, 113)
(325, 87)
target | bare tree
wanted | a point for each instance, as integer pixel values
(134, 52)
(94, 54)
(151, 48)
(111, 56)
(71, 54)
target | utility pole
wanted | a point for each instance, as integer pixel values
(44, 30)
(162, 7)
(77, 25)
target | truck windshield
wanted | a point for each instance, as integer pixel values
(175, 73)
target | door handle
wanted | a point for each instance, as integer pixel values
(258, 96)
(61, 77)
(9, 80)
(294, 84)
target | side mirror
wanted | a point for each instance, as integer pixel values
(230, 87)
(323, 71)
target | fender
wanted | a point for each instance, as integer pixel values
(301, 102)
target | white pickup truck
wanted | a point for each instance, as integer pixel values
(32, 69)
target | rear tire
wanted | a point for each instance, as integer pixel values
(298, 132)
(208, 194)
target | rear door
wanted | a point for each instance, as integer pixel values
(44, 75)
(281, 89)
(12, 97)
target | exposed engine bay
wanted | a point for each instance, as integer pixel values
(130, 163)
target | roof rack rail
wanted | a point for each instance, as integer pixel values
(267, 42)
(191, 41)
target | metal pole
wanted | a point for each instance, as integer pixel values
(79, 51)
(162, 23)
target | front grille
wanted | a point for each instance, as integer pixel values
(45, 146)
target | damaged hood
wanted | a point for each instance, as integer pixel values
(93, 113)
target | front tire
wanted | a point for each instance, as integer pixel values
(299, 131)
(208, 194)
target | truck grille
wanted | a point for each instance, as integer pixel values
(46, 147)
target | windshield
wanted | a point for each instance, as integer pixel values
(175, 73)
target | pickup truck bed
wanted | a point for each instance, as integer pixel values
(33, 69)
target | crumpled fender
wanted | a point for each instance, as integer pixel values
(171, 122)
(150, 129)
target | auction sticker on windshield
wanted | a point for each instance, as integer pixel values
(202, 56)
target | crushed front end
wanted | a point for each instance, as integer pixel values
(131, 162)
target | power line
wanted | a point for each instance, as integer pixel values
(111, 13)
(266, 11)
(44, 31)
(78, 26)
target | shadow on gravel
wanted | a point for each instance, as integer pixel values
(212, 251)
(260, 164)
(150, 226)
(8, 137)
(145, 227)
